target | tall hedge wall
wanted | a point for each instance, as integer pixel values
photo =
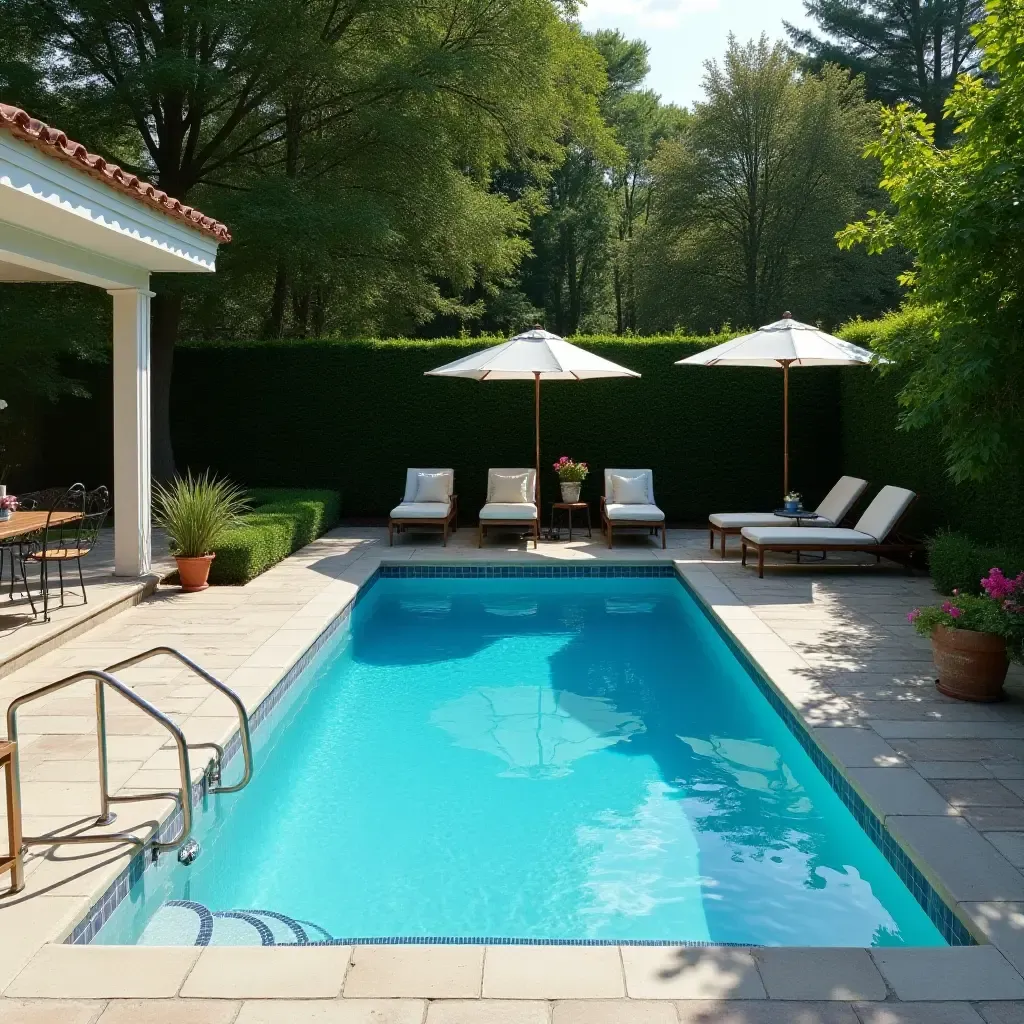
(352, 415)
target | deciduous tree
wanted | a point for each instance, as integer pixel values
(960, 211)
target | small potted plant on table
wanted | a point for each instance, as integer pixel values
(792, 501)
(975, 636)
(195, 512)
(570, 477)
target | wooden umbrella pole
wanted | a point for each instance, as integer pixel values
(785, 427)
(536, 427)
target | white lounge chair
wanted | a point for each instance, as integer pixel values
(874, 532)
(429, 500)
(831, 512)
(628, 503)
(511, 503)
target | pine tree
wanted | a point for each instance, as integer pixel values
(908, 50)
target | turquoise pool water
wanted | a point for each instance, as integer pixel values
(528, 758)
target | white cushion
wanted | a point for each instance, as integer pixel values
(509, 487)
(646, 475)
(640, 513)
(737, 520)
(432, 487)
(807, 535)
(509, 510)
(412, 482)
(885, 510)
(420, 510)
(628, 490)
(838, 502)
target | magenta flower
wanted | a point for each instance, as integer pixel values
(913, 616)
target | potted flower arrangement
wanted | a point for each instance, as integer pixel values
(195, 512)
(792, 501)
(570, 477)
(974, 636)
(8, 505)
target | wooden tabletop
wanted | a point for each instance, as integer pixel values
(30, 522)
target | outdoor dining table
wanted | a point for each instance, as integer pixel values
(22, 523)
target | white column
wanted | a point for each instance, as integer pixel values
(132, 477)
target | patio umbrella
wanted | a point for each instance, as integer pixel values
(785, 343)
(535, 355)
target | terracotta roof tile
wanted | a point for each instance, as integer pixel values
(55, 143)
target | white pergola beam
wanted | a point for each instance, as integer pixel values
(132, 475)
(61, 260)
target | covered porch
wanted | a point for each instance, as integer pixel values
(67, 215)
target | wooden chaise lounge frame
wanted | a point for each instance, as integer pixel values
(888, 548)
(448, 523)
(631, 524)
(528, 526)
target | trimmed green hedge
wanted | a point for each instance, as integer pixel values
(958, 563)
(281, 521)
(353, 415)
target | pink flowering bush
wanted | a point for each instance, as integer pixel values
(571, 472)
(999, 610)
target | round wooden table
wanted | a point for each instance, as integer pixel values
(569, 507)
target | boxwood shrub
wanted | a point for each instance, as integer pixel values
(281, 521)
(958, 563)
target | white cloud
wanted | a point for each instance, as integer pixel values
(662, 14)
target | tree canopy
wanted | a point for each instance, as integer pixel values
(750, 196)
(907, 52)
(959, 211)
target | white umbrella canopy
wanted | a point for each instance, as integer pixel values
(533, 355)
(783, 344)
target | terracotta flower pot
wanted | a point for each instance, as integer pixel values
(972, 666)
(194, 572)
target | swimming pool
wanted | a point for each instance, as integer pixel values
(573, 759)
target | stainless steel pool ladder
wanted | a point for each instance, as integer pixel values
(104, 678)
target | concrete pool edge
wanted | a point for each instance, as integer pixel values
(941, 909)
(705, 583)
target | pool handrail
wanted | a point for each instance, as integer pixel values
(106, 817)
(214, 769)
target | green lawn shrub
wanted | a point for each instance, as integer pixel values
(958, 562)
(281, 521)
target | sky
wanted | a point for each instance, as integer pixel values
(682, 34)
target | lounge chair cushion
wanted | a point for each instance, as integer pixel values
(412, 482)
(524, 510)
(632, 474)
(807, 535)
(838, 502)
(737, 520)
(431, 487)
(629, 490)
(885, 511)
(508, 487)
(421, 510)
(645, 513)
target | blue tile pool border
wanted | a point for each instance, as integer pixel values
(952, 929)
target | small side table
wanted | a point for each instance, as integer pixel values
(569, 507)
(12, 860)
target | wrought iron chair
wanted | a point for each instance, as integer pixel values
(66, 540)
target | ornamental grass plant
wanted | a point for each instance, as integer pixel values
(196, 511)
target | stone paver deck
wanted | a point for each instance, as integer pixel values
(947, 779)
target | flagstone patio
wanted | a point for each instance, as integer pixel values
(946, 778)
